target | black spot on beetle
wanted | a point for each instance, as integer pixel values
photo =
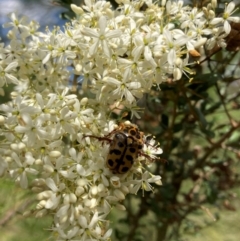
(133, 132)
(120, 144)
(140, 147)
(132, 149)
(118, 161)
(115, 151)
(138, 136)
(110, 162)
(129, 158)
(124, 169)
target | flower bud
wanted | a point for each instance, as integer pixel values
(94, 190)
(66, 199)
(115, 181)
(27, 213)
(163, 3)
(72, 198)
(200, 42)
(38, 162)
(105, 181)
(101, 187)
(81, 182)
(119, 194)
(41, 204)
(8, 159)
(204, 9)
(70, 102)
(14, 94)
(87, 203)
(78, 67)
(44, 195)
(2, 120)
(41, 213)
(14, 147)
(84, 101)
(212, 14)
(79, 191)
(36, 189)
(93, 203)
(214, 3)
(21, 146)
(39, 182)
(55, 154)
(177, 74)
(76, 9)
(125, 189)
(48, 168)
(120, 207)
(178, 62)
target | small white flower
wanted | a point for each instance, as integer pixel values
(125, 88)
(69, 235)
(23, 168)
(142, 46)
(144, 182)
(6, 77)
(31, 129)
(55, 197)
(173, 44)
(88, 226)
(101, 37)
(16, 23)
(226, 18)
(229, 10)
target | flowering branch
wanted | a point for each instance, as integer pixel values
(47, 131)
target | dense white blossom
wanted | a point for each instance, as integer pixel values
(45, 130)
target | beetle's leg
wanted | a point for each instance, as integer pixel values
(104, 138)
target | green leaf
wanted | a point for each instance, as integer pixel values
(201, 118)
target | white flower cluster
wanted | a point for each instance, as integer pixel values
(44, 143)
(120, 54)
